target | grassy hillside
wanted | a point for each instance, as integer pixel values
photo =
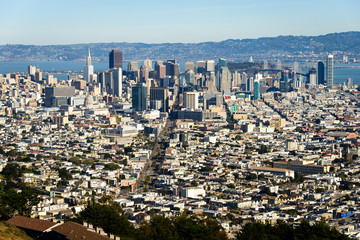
(10, 232)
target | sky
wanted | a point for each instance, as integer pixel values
(48, 22)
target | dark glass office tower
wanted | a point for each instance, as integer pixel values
(321, 73)
(159, 94)
(139, 97)
(284, 81)
(115, 59)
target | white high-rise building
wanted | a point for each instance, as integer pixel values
(117, 82)
(349, 82)
(236, 79)
(312, 80)
(50, 79)
(31, 70)
(191, 100)
(210, 65)
(258, 76)
(250, 84)
(330, 70)
(148, 64)
(88, 69)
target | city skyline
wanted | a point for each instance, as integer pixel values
(91, 21)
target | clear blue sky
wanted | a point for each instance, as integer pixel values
(158, 21)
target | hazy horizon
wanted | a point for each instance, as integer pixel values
(42, 22)
(81, 43)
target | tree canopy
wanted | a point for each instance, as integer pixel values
(17, 202)
(282, 230)
(110, 217)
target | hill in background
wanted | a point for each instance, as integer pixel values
(282, 47)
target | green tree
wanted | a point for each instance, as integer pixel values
(147, 180)
(11, 171)
(75, 161)
(107, 156)
(163, 228)
(111, 166)
(299, 177)
(128, 150)
(263, 149)
(13, 202)
(252, 231)
(11, 153)
(108, 218)
(284, 231)
(64, 174)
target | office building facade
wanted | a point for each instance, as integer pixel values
(191, 100)
(111, 81)
(160, 94)
(330, 71)
(321, 73)
(115, 59)
(139, 97)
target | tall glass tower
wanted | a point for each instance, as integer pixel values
(321, 73)
(139, 97)
(330, 70)
(256, 89)
(115, 59)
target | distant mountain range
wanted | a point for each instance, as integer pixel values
(269, 48)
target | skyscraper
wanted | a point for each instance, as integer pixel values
(88, 69)
(330, 70)
(236, 79)
(117, 82)
(159, 94)
(172, 68)
(31, 70)
(284, 81)
(211, 82)
(148, 64)
(312, 78)
(160, 69)
(285, 76)
(111, 81)
(224, 79)
(115, 59)
(191, 100)
(189, 66)
(200, 66)
(144, 73)
(190, 77)
(256, 89)
(321, 73)
(222, 62)
(133, 66)
(257, 84)
(139, 97)
(210, 65)
(349, 82)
